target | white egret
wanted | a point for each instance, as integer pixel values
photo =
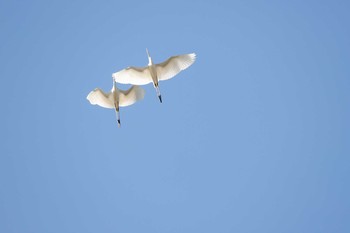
(155, 72)
(116, 98)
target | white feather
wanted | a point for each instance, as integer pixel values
(100, 98)
(130, 96)
(133, 75)
(171, 67)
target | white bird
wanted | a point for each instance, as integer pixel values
(155, 72)
(116, 98)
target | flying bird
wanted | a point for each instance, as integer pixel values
(116, 98)
(154, 72)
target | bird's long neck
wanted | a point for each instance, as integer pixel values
(114, 88)
(115, 94)
(149, 58)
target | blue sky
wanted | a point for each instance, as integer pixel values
(254, 137)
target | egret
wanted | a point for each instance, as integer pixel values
(116, 98)
(155, 72)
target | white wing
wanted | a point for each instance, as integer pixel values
(133, 75)
(173, 66)
(100, 98)
(130, 96)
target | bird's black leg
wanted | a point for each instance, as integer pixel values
(118, 114)
(158, 92)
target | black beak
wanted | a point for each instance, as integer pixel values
(160, 98)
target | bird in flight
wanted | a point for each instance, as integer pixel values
(116, 98)
(155, 72)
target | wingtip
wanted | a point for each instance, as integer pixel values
(143, 92)
(140, 92)
(89, 95)
(138, 88)
(192, 56)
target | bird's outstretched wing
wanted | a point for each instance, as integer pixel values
(130, 96)
(133, 75)
(173, 66)
(100, 98)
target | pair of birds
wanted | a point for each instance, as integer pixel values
(139, 76)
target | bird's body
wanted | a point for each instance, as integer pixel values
(116, 98)
(154, 72)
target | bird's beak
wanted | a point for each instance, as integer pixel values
(147, 52)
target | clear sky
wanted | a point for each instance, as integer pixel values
(253, 137)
